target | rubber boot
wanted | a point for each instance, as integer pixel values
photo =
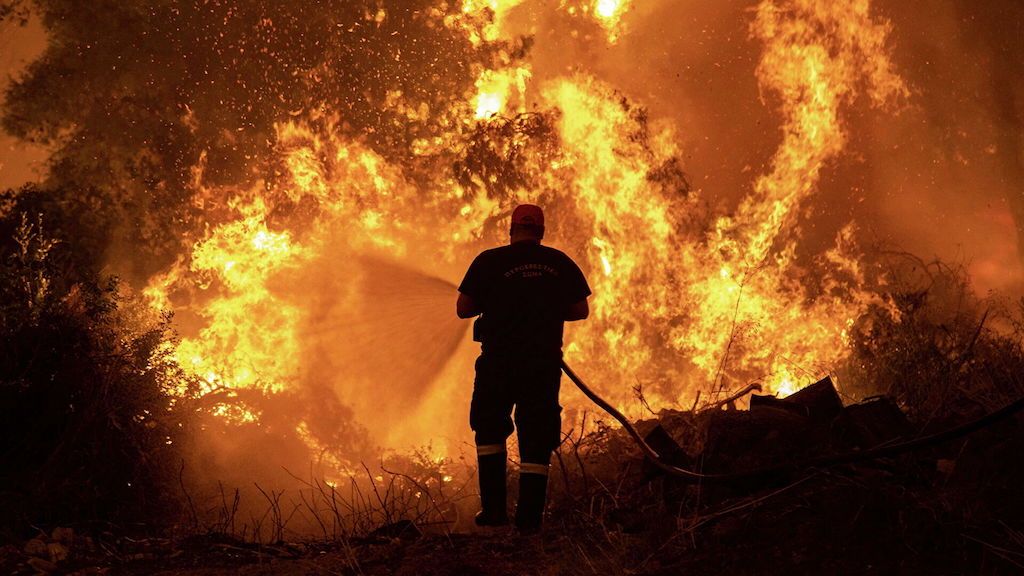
(533, 490)
(491, 471)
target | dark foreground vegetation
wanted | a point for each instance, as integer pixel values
(93, 447)
(87, 430)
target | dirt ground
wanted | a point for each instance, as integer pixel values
(825, 525)
(953, 508)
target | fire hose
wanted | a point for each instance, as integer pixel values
(828, 461)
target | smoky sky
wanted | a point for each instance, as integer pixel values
(19, 161)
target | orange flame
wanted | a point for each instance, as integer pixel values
(609, 16)
(678, 306)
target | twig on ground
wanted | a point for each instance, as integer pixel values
(638, 391)
(752, 387)
(999, 551)
(383, 505)
(192, 516)
(430, 497)
(274, 502)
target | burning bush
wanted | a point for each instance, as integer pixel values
(940, 350)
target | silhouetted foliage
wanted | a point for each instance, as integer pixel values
(87, 431)
(940, 350)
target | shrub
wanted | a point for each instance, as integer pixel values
(87, 430)
(940, 350)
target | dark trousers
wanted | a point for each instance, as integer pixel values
(528, 383)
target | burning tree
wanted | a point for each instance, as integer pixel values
(137, 96)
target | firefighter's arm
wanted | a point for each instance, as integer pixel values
(578, 311)
(466, 307)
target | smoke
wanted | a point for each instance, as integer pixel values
(379, 369)
(946, 178)
(20, 161)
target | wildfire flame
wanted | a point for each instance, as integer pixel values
(609, 15)
(678, 306)
(495, 90)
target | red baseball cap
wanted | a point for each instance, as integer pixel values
(528, 214)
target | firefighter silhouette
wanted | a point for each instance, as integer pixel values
(522, 293)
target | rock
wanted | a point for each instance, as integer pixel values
(819, 402)
(871, 423)
(42, 566)
(673, 489)
(402, 530)
(739, 441)
(37, 547)
(759, 403)
(58, 552)
(820, 399)
(667, 448)
(65, 536)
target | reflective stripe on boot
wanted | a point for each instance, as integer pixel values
(491, 473)
(533, 487)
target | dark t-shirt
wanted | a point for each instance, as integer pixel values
(524, 291)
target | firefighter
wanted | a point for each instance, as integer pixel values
(523, 293)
